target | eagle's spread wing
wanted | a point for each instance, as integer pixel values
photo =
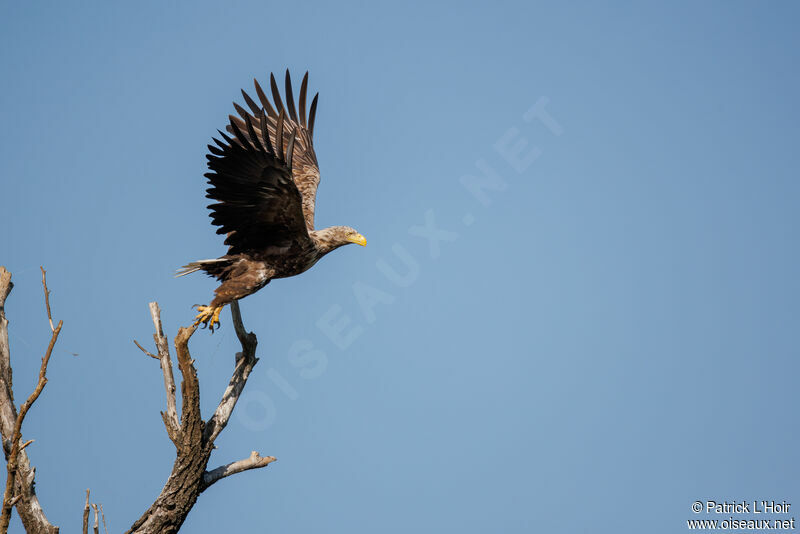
(306, 169)
(258, 204)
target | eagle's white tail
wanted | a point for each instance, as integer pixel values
(199, 265)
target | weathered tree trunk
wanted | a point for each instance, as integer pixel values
(179, 495)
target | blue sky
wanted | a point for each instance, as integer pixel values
(601, 338)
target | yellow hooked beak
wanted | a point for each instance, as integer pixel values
(358, 239)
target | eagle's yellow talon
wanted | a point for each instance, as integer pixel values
(208, 316)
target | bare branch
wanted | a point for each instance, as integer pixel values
(162, 344)
(247, 339)
(103, 515)
(16, 436)
(141, 348)
(245, 361)
(86, 515)
(191, 419)
(5, 285)
(47, 299)
(254, 461)
(5, 354)
(96, 526)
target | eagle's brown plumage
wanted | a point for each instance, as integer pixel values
(264, 179)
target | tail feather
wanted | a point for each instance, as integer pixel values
(202, 265)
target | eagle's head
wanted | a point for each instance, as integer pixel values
(334, 237)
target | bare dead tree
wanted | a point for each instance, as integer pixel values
(19, 490)
(192, 436)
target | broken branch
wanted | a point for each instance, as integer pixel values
(254, 461)
(162, 344)
(86, 514)
(245, 361)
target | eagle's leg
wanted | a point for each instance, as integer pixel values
(208, 316)
(243, 278)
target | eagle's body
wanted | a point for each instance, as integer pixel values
(264, 180)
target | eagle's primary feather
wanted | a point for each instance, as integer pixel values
(264, 177)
